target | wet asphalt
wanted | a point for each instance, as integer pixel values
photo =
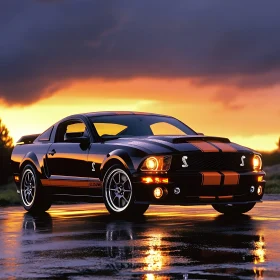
(82, 241)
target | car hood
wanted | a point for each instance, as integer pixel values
(179, 144)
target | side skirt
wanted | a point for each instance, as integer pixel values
(76, 198)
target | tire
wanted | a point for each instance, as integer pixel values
(32, 196)
(233, 210)
(118, 193)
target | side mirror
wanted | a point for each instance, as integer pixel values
(83, 140)
(200, 133)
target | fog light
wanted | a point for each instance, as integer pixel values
(260, 190)
(177, 190)
(252, 189)
(158, 192)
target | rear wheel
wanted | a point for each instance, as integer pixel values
(118, 193)
(32, 196)
(230, 209)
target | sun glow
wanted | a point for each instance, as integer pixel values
(195, 105)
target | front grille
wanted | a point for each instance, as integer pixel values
(213, 162)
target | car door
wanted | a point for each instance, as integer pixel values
(67, 161)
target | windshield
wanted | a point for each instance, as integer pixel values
(139, 125)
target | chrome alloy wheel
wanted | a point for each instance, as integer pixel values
(118, 190)
(28, 188)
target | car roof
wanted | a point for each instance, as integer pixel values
(115, 113)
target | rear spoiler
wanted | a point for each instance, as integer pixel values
(27, 139)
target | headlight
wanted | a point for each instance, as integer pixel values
(156, 163)
(257, 163)
(152, 163)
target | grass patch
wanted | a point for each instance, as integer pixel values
(275, 177)
(272, 186)
(271, 158)
(8, 194)
(272, 179)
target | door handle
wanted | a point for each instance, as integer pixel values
(52, 152)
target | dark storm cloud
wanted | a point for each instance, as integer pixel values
(44, 45)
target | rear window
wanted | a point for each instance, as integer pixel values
(46, 135)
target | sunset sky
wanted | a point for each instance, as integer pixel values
(213, 64)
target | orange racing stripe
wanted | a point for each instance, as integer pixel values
(207, 197)
(225, 197)
(211, 178)
(231, 178)
(224, 147)
(204, 146)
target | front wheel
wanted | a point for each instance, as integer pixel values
(237, 209)
(118, 193)
(33, 198)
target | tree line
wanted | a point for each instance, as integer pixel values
(6, 147)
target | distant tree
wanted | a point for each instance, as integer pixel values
(6, 140)
(6, 145)
(278, 144)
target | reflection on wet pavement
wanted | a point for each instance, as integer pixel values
(83, 241)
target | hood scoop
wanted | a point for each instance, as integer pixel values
(184, 139)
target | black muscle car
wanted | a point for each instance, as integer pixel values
(130, 160)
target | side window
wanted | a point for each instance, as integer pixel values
(69, 130)
(109, 128)
(163, 128)
(46, 135)
(78, 128)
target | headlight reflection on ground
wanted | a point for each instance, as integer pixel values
(259, 273)
(150, 276)
(154, 259)
(259, 257)
(259, 252)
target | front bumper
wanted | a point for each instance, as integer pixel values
(193, 190)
